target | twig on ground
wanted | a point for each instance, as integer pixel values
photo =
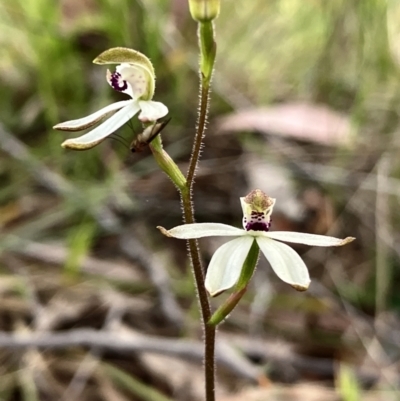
(133, 248)
(57, 254)
(189, 350)
(267, 351)
(93, 358)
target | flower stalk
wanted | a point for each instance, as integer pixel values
(227, 307)
(207, 47)
(208, 50)
(166, 164)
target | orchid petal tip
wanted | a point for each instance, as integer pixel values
(300, 288)
(66, 144)
(215, 293)
(346, 241)
(61, 127)
(164, 231)
(71, 144)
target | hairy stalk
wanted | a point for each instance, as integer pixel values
(199, 136)
(209, 330)
(185, 188)
(194, 252)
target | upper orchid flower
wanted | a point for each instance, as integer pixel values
(134, 76)
(227, 262)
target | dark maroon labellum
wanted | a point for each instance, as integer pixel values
(117, 82)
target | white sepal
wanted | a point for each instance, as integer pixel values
(226, 265)
(92, 119)
(152, 111)
(285, 262)
(307, 239)
(200, 230)
(109, 126)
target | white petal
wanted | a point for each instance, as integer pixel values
(87, 122)
(226, 265)
(285, 262)
(200, 230)
(307, 239)
(152, 111)
(109, 126)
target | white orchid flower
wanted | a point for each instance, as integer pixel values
(134, 76)
(226, 264)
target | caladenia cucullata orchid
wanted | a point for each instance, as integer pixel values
(233, 263)
(134, 76)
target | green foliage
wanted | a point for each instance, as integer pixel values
(347, 384)
(134, 386)
(80, 241)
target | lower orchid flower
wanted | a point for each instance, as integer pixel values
(227, 262)
(134, 76)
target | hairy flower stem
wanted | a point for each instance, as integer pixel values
(188, 211)
(185, 188)
(194, 252)
(209, 330)
(199, 136)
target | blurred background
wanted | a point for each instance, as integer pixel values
(96, 305)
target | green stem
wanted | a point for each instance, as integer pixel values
(166, 163)
(208, 49)
(227, 307)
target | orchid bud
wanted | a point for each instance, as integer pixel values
(204, 10)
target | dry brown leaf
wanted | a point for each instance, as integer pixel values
(301, 392)
(301, 121)
(304, 392)
(185, 378)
